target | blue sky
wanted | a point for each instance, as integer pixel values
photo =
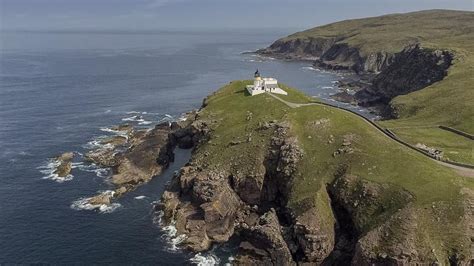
(185, 14)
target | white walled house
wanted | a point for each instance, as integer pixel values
(261, 85)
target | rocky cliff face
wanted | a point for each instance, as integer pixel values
(329, 53)
(411, 69)
(210, 206)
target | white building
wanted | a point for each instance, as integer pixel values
(261, 85)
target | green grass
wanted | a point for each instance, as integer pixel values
(376, 159)
(295, 96)
(449, 102)
(455, 147)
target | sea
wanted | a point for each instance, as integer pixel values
(62, 91)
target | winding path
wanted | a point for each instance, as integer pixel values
(463, 169)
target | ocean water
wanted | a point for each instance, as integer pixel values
(60, 92)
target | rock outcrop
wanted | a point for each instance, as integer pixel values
(412, 69)
(264, 244)
(64, 164)
(136, 156)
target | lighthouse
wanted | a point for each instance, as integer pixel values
(262, 85)
(257, 82)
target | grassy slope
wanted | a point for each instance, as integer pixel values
(377, 158)
(448, 102)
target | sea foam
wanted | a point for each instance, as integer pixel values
(48, 170)
(83, 204)
(170, 234)
(205, 260)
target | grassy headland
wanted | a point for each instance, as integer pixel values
(321, 131)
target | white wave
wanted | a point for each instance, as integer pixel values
(309, 68)
(170, 233)
(205, 260)
(84, 204)
(114, 131)
(327, 87)
(133, 112)
(93, 168)
(144, 122)
(140, 197)
(230, 260)
(107, 129)
(135, 118)
(77, 165)
(97, 143)
(48, 171)
(246, 51)
(122, 133)
(108, 111)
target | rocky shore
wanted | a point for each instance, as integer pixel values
(136, 156)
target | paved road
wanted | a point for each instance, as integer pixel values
(464, 171)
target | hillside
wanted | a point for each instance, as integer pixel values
(423, 64)
(311, 184)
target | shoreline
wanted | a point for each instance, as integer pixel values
(376, 112)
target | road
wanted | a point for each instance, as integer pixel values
(462, 170)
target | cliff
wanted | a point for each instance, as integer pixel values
(305, 185)
(412, 69)
(431, 51)
(328, 52)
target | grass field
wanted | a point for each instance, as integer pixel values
(320, 131)
(449, 102)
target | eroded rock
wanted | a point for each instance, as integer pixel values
(64, 164)
(263, 243)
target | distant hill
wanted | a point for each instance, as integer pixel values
(370, 45)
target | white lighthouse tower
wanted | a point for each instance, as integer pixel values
(261, 85)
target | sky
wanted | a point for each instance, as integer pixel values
(200, 14)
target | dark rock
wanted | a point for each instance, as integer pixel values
(412, 69)
(344, 97)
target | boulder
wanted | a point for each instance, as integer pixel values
(101, 199)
